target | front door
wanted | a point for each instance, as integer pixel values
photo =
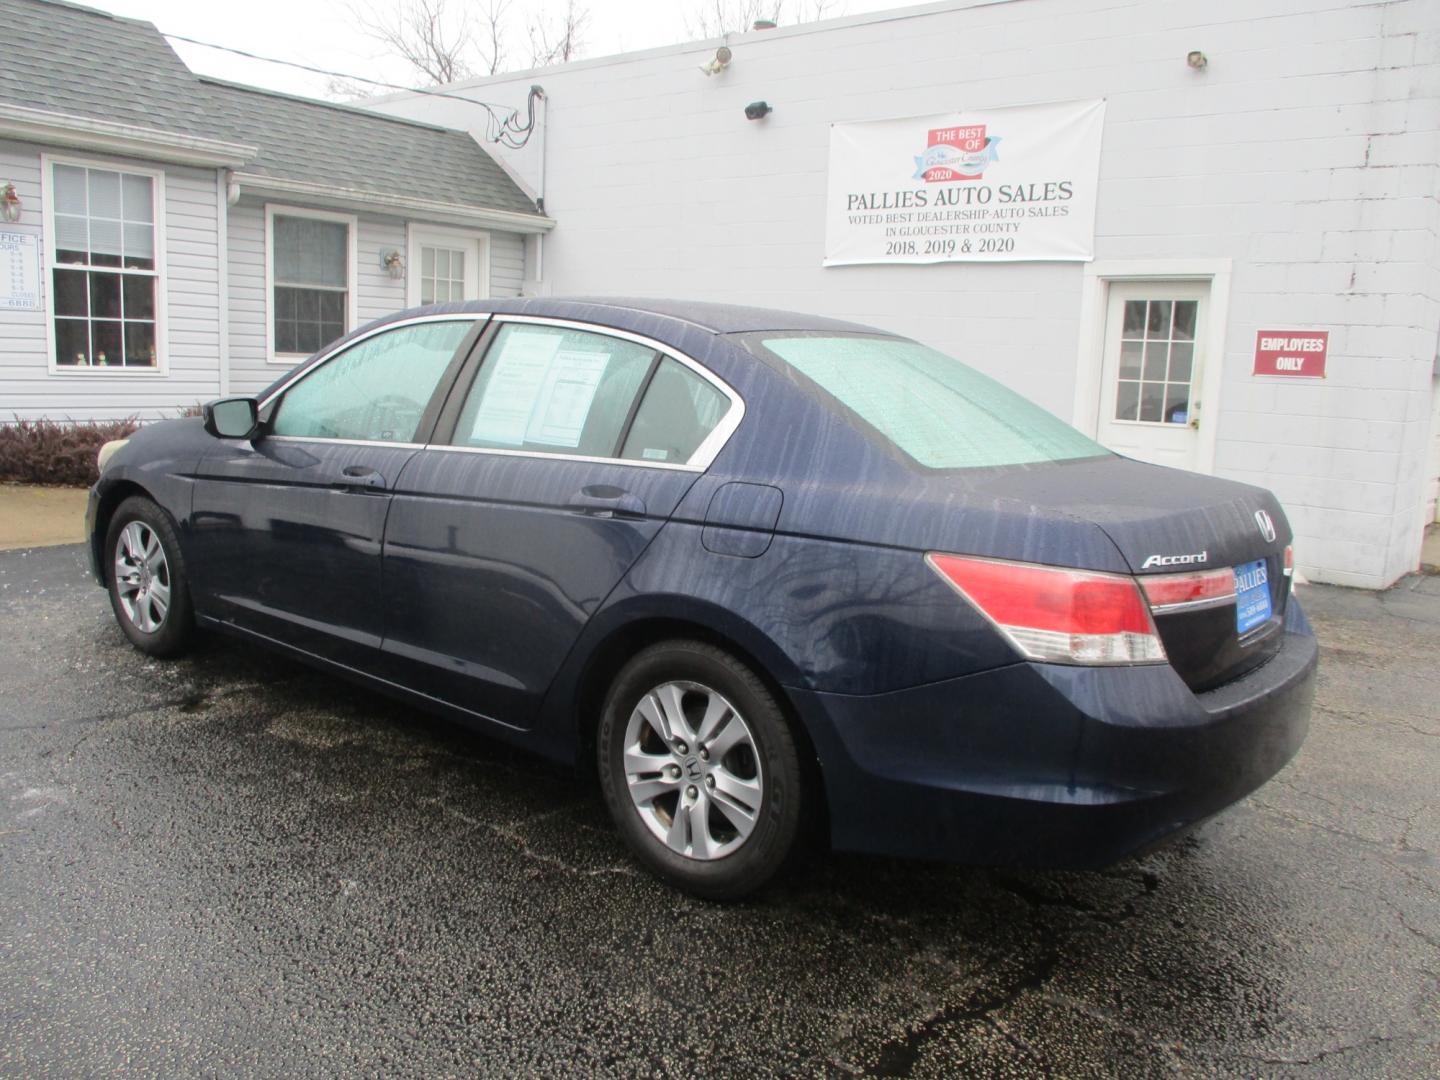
(1150, 389)
(447, 266)
(286, 528)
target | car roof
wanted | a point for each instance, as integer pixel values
(640, 313)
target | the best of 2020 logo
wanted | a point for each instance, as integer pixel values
(956, 153)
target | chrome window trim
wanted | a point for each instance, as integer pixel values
(345, 442)
(672, 466)
(704, 455)
(477, 316)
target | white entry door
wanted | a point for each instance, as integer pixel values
(1150, 386)
(447, 266)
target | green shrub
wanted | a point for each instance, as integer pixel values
(51, 452)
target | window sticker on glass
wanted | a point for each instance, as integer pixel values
(519, 375)
(564, 401)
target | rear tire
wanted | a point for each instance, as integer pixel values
(700, 770)
(145, 571)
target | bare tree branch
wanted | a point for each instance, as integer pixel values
(716, 18)
(555, 43)
(423, 34)
(338, 88)
(492, 31)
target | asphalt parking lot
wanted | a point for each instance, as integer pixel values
(228, 865)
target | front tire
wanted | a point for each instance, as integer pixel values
(700, 770)
(149, 591)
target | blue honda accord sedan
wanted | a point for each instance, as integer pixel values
(766, 575)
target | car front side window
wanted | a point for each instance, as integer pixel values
(374, 391)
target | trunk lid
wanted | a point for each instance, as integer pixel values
(1164, 521)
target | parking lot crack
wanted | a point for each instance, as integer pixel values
(899, 1056)
(1329, 1051)
(1039, 898)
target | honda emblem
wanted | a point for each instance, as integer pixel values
(1267, 527)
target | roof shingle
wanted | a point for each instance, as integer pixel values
(64, 58)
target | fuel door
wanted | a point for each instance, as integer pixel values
(741, 519)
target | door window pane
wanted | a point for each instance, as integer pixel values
(376, 390)
(553, 390)
(1156, 362)
(1185, 312)
(106, 219)
(442, 274)
(311, 270)
(679, 410)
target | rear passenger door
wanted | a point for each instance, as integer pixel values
(559, 456)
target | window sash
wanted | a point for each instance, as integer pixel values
(308, 254)
(103, 218)
(101, 211)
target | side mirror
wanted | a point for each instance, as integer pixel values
(232, 418)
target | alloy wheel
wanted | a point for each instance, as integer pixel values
(142, 577)
(693, 770)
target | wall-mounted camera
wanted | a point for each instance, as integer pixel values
(758, 110)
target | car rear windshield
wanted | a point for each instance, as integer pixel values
(936, 410)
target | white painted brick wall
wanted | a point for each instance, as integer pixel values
(1305, 153)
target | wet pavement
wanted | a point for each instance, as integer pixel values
(229, 865)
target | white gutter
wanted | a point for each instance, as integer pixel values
(390, 203)
(222, 276)
(65, 129)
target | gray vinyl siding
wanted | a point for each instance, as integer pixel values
(507, 263)
(248, 370)
(23, 360)
(378, 294)
(190, 327)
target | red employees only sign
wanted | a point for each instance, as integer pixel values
(1297, 353)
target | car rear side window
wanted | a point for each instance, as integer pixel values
(553, 390)
(939, 412)
(679, 410)
(376, 390)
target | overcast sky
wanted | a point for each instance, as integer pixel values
(323, 33)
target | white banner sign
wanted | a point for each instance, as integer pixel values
(996, 185)
(19, 271)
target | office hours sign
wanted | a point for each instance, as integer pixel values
(994, 185)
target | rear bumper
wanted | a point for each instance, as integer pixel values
(1041, 764)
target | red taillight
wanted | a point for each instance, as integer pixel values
(1055, 614)
(1289, 559)
(1189, 590)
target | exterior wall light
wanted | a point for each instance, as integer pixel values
(758, 110)
(393, 262)
(722, 59)
(1196, 59)
(9, 202)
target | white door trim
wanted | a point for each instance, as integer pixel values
(1089, 366)
(444, 236)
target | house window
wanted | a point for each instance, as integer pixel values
(104, 277)
(311, 268)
